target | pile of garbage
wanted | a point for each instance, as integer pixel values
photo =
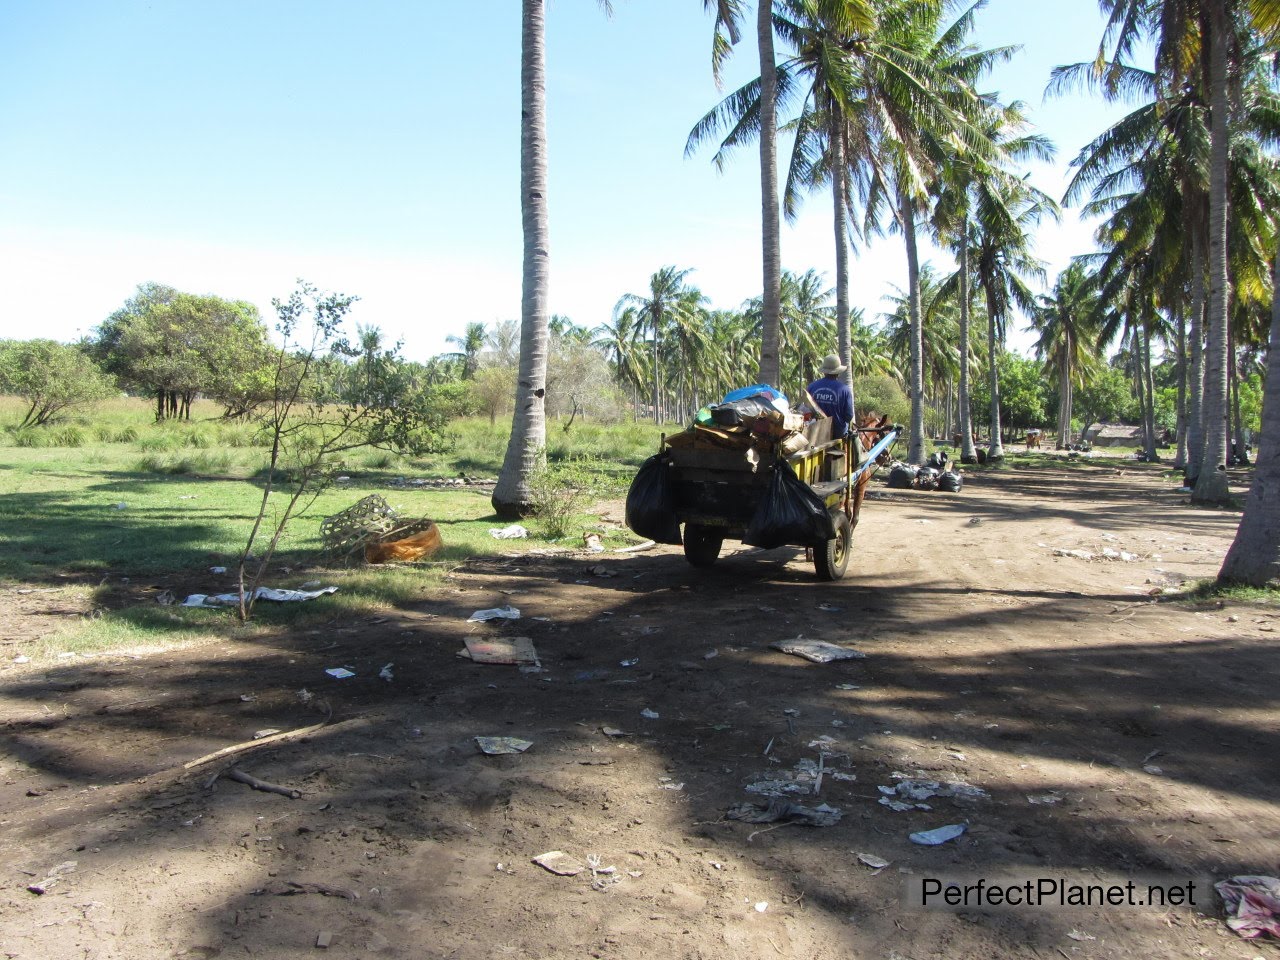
(750, 420)
(373, 531)
(936, 474)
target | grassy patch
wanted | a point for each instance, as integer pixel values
(137, 508)
(1205, 591)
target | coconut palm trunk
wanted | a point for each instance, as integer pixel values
(995, 450)
(1180, 461)
(1211, 483)
(968, 453)
(526, 448)
(770, 233)
(1064, 392)
(1148, 389)
(1195, 382)
(1254, 557)
(839, 186)
(915, 451)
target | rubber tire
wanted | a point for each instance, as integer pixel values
(831, 559)
(701, 544)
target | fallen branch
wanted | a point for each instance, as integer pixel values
(241, 777)
(262, 742)
(291, 888)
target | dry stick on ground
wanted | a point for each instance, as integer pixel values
(261, 742)
(241, 777)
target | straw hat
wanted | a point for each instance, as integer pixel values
(831, 365)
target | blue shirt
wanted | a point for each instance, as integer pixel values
(836, 400)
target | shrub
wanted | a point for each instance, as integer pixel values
(560, 491)
(68, 437)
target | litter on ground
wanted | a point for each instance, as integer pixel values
(506, 650)
(495, 613)
(779, 810)
(939, 835)
(513, 532)
(1252, 904)
(817, 651)
(502, 746)
(262, 593)
(340, 673)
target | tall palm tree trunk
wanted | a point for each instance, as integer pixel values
(1233, 384)
(839, 183)
(1064, 393)
(1254, 557)
(915, 451)
(1195, 383)
(995, 451)
(657, 372)
(1211, 484)
(770, 234)
(968, 453)
(1148, 388)
(526, 448)
(1180, 461)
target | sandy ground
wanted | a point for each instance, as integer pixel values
(1112, 736)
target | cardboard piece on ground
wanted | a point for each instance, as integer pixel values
(559, 863)
(500, 650)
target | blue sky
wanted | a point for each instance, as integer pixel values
(231, 147)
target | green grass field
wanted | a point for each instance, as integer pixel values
(90, 502)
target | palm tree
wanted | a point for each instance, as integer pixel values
(666, 303)
(469, 346)
(526, 448)
(963, 181)
(1254, 555)
(1065, 321)
(1006, 209)
(620, 340)
(729, 14)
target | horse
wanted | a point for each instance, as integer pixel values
(1033, 439)
(871, 429)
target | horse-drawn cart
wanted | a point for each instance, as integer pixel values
(766, 496)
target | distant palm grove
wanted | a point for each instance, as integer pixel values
(880, 108)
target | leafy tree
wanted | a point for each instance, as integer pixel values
(1107, 398)
(51, 378)
(177, 345)
(1023, 397)
(491, 390)
(314, 417)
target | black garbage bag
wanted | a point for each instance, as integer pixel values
(950, 481)
(938, 460)
(789, 513)
(902, 476)
(651, 502)
(737, 411)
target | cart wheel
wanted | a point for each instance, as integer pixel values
(832, 558)
(701, 544)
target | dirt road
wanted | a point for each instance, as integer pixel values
(1106, 734)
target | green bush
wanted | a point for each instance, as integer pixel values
(30, 437)
(562, 490)
(71, 436)
(218, 463)
(159, 443)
